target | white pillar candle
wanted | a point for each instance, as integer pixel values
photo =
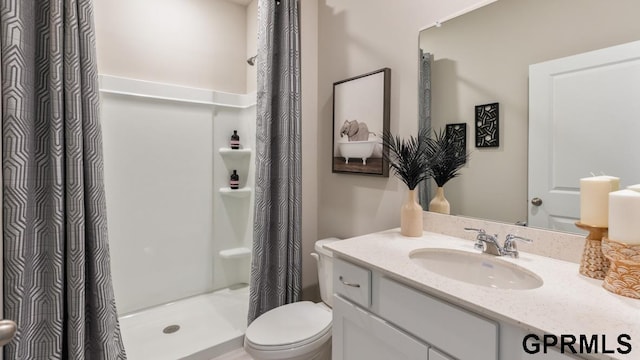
(594, 199)
(624, 216)
(634, 187)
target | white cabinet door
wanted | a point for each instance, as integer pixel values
(358, 335)
(442, 325)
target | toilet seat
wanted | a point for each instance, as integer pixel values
(290, 327)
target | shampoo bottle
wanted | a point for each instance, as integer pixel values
(234, 181)
(235, 140)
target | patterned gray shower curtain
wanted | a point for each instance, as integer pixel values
(57, 281)
(424, 116)
(277, 255)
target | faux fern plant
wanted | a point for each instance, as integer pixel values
(446, 157)
(408, 158)
(409, 162)
(418, 158)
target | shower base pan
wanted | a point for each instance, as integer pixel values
(197, 328)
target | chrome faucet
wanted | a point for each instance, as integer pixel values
(510, 247)
(489, 244)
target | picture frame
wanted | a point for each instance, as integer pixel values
(361, 113)
(459, 133)
(487, 125)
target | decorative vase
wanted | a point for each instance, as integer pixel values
(593, 263)
(439, 203)
(411, 216)
(623, 276)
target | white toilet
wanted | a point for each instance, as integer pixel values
(297, 331)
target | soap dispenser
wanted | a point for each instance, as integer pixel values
(235, 140)
(234, 181)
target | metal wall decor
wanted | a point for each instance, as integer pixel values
(459, 134)
(487, 125)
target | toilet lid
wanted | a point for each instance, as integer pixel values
(295, 323)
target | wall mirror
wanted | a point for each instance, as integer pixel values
(483, 57)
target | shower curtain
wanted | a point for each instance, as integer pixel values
(277, 257)
(424, 117)
(57, 283)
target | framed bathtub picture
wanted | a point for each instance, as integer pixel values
(360, 116)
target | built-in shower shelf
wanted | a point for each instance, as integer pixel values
(234, 153)
(235, 253)
(236, 193)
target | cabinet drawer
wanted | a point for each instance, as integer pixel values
(457, 332)
(352, 282)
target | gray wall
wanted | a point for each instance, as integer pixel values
(357, 37)
(196, 43)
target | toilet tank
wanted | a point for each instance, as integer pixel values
(324, 259)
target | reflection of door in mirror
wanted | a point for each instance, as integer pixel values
(583, 118)
(483, 57)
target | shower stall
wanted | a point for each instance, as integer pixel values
(179, 238)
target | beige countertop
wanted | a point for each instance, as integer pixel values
(566, 303)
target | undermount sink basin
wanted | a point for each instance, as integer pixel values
(478, 269)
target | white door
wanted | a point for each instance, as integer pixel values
(584, 117)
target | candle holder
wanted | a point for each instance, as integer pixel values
(623, 277)
(593, 263)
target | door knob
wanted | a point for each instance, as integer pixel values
(8, 330)
(536, 201)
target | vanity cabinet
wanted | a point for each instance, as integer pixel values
(376, 317)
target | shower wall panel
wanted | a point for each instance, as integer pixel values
(233, 220)
(159, 144)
